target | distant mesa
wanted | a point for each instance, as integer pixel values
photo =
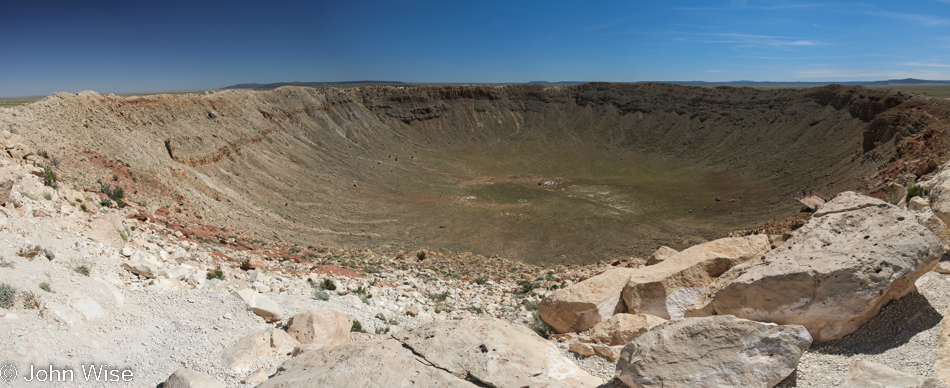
(892, 82)
(257, 86)
(558, 82)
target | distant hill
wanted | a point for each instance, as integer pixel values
(895, 82)
(558, 83)
(256, 86)
(892, 82)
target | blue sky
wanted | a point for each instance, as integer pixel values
(125, 46)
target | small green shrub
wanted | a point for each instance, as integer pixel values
(539, 327)
(49, 254)
(216, 273)
(7, 295)
(43, 153)
(531, 305)
(421, 255)
(48, 196)
(357, 327)
(46, 287)
(321, 295)
(115, 177)
(83, 207)
(913, 190)
(82, 269)
(438, 297)
(527, 286)
(382, 330)
(114, 193)
(362, 291)
(365, 300)
(481, 280)
(49, 177)
(327, 284)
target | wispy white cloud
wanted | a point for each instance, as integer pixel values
(914, 18)
(755, 40)
(942, 65)
(771, 7)
(797, 57)
(851, 8)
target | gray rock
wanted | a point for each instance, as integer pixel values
(866, 374)
(322, 328)
(494, 352)
(245, 351)
(379, 364)
(721, 351)
(142, 264)
(187, 378)
(662, 253)
(582, 349)
(623, 328)
(88, 308)
(848, 201)
(834, 275)
(261, 305)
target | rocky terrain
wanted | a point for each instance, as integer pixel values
(196, 273)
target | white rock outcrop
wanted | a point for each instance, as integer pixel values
(834, 275)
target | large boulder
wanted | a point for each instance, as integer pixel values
(323, 328)
(495, 353)
(622, 328)
(380, 364)
(721, 351)
(834, 275)
(866, 374)
(668, 288)
(581, 306)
